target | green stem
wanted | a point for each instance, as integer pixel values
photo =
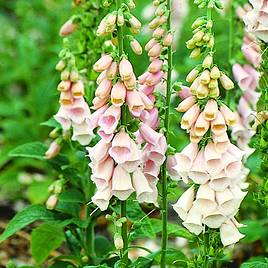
(163, 173)
(90, 232)
(230, 47)
(120, 36)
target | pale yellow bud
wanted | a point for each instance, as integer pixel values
(198, 36)
(207, 62)
(215, 73)
(192, 75)
(195, 53)
(205, 77)
(136, 47)
(190, 44)
(213, 83)
(214, 92)
(226, 82)
(118, 241)
(202, 91)
(168, 39)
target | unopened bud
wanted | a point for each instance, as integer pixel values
(155, 51)
(202, 91)
(195, 53)
(211, 42)
(226, 82)
(54, 133)
(206, 37)
(65, 74)
(198, 36)
(158, 33)
(205, 77)
(134, 22)
(209, 24)
(214, 92)
(125, 69)
(190, 44)
(58, 186)
(207, 62)
(118, 241)
(131, 4)
(67, 28)
(53, 150)
(112, 71)
(120, 18)
(136, 47)
(78, 89)
(192, 75)
(215, 73)
(66, 98)
(161, 9)
(74, 76)
(101, 31)
(168, 39)
(64, 86)
(60, 65)
(198, 22)
(213, 83)
(52, 202)
(103, 63)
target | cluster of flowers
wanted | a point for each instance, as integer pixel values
(211, 163)
(74, 110)
(247, 78)
(123, 162)
(204, 80)
(202, 37)
(256, 20)
(216, 167)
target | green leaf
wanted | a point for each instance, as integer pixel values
(174, 257)
(102, 246)
(51, 123)
(253, 231)
(173, 229)
(37, 191)
(32, 150)
(46, 238)
(26, 217)
(72, 196)
(255, 264)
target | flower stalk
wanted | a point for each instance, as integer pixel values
(166, 125)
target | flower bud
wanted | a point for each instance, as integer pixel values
(214, 92)
(53, 150)
(125, 69)
(60, 65)
(131, 4)
(202, 91)
(161, 9)
(67, 28)
(58, 186)
(192, 75)
(195, 85)
(66, 98)
(168, 39)
(136, 47)
(226, 82)
(195, 53)
(198, 22)
(74, 76)
(110, 20)
(103, 63)
(112, 71)
(101, 31)
(118, 94)
(207, 62)
(190, 44)
(54, 133)
(65, 74)
(155, 51)
(118, 241)
(205, 77)
(78, 89)
(155, 66)
(150, 44)
(215, 73)
(211, 42)
(198, 36)
(162, 19)
(52, 202)
(228, 114)
(134, 22)
(209, 24)
(154, 23)
(131, 83)
(206, 37)
(213, 83)
(64, 86)
(158, 33)
(120, 18)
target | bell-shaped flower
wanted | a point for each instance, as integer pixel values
(121, 183)
(62, 117)
(102, 173)
(205, 199)
(218, 125)
(93, 119)
(189, 118)
(121, 147)
(141, 186)
(102, 197)
(118, 94)
(213, 159)
(229, 233)
(109, 119)
(198, 172)
(214, 219)
(149, 135)
(99, 152)
(135, 103)
(226, 202)
(82, 133)
(221, 142)
(184, 203)
(201, 125)
(219, 182)
(193, 221)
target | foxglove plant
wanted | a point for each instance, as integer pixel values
(210, 163)
(123, 161)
